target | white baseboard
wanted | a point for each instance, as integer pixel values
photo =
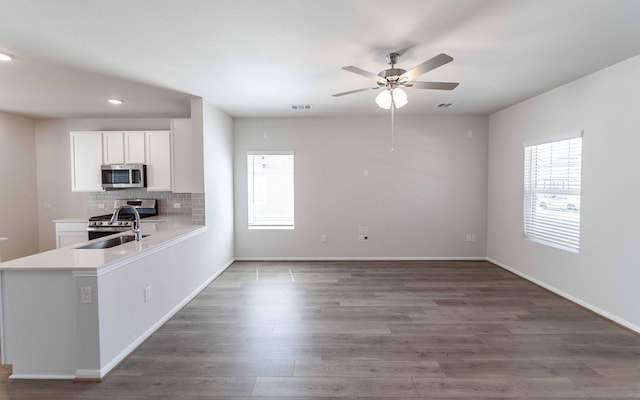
(569, 297)
(88, 374)
(124, 353)
(38, 376)
(361, 258)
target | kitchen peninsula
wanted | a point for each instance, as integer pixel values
(73, 313)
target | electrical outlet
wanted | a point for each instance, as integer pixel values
(468, 238)
(323, 238)
(147, 293)
(365, 230)
(360, 238)
(86, 295)
(177, 205)
(473, 237)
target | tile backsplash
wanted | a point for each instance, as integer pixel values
(166, 201)
(190, 203)
(197, 208)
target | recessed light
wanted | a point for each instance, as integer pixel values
(116, 101)
(6, 57)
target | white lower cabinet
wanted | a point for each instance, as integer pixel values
(69, 233)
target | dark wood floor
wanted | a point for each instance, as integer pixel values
(370, 330)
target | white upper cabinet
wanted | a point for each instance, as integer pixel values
(113, 147)
(86, 159)
(134, 148)
(158, 155)
(90, 150)
(123, 147)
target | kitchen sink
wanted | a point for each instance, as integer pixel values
(108, 243)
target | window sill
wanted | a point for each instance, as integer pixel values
(270, 227)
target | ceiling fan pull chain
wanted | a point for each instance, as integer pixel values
(393, 127)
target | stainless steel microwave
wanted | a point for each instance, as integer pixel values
(123, 176)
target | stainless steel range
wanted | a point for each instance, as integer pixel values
(101, 225)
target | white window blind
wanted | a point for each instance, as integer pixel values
(552, 179)
(270, 189)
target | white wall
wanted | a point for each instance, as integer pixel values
(419, 201)
(217, 153)
(54, 167)
(18, 218)
(605, 275)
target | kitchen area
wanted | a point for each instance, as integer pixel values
(90, 293)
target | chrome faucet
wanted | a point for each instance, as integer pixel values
(136, 224)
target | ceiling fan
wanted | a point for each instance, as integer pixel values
(393, 79)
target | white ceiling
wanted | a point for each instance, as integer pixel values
(256, 57)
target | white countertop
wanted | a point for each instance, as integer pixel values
(78, 219)
(167, 229)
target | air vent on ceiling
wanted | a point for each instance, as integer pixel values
(444, 105)
(300, 107)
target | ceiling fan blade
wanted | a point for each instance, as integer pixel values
(364, 73)
(435, 62)
(355, 91)
(432, 85)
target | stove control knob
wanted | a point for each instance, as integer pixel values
(121, 222)
(98, 223)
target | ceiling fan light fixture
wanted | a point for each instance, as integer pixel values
(384, 99)
(399, 97)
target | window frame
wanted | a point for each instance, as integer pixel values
(250, 203)
(532, 216)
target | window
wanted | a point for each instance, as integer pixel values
(270, 190)
(552, 176)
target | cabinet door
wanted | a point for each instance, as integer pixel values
(112, 147)
(86, 158)
(134, 148)
(69, 239)
(158, 155)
